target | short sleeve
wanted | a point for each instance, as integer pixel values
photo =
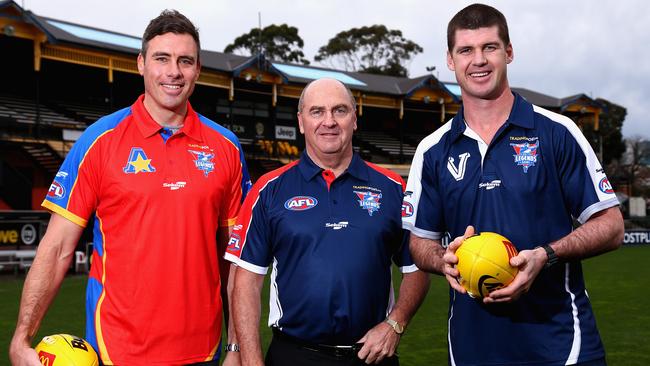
(248, 246)
(586, 189)
(422, 203)
(402, 258)
(238, 188)
(74, 192)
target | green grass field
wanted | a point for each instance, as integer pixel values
(616, 283)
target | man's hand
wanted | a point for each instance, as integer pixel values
(378, 343)
(450, 260)
(529, 263)
(22, 354)
(232, 359)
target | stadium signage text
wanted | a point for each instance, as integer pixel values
(637, 237)
(285, 132)
(8, 236)
(14, 235)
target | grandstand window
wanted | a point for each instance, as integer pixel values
(286, 113)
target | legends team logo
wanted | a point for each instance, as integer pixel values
(203, 161)
(526, 154)
(138, 162)
(300, 203)
(369, 201)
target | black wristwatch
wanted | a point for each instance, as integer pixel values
(551, 257)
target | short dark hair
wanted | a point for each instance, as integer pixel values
(170, 21)
(477, 16)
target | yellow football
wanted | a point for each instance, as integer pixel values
(484, 263)
(66, 350)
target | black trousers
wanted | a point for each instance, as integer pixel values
(598, 362)
(283, 352)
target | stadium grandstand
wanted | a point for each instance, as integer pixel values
(60, 77)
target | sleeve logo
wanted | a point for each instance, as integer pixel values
(407, 209)
(605, 186)
(233, 243)
(56, 191)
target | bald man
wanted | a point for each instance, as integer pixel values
(329, 225)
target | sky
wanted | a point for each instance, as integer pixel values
(561, 47)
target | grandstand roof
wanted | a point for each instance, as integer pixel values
(62, 32)
(540, 99)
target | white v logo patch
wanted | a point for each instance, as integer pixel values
(458, 172)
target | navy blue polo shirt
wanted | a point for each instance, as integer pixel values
(537, 174)
(330, 243)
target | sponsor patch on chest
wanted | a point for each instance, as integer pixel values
(526, 154)
(203, 161)
(369, 201)
(300, 203)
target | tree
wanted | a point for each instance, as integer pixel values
(611, 124)
(276, 42)
(636, 163)
(373, 49)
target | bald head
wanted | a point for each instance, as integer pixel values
(325, 82)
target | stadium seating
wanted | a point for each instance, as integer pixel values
(386, 144)
(86, 112)
(277, 149)
(24, 110)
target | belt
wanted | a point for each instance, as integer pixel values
(342, 351)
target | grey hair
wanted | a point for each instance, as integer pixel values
(301, 101)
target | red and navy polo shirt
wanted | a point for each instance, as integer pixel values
(536, 176)
(329, 242)
(153, 295)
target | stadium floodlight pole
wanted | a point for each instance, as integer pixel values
(260, 50)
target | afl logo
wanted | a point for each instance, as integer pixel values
(56, 190)
(300, 203)
(605, 186)
(407, 209)
(233, 243)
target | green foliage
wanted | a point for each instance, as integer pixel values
(611, 123)
(276, 42)
(373, 49)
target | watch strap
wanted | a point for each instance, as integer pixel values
(551, 256)
(397, 327)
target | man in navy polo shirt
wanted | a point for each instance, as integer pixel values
(329, 226)
(504, 165)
